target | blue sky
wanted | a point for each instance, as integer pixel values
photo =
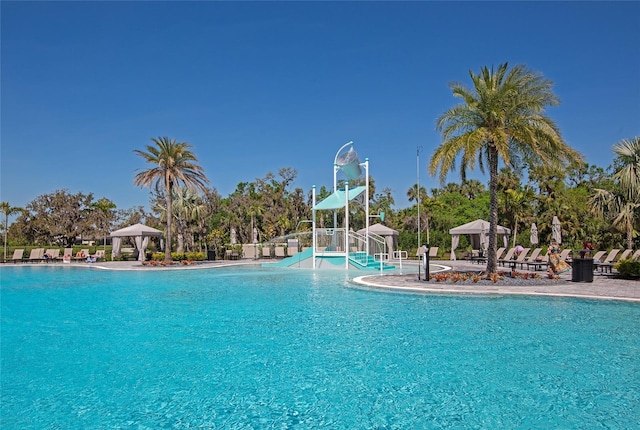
(257, 86)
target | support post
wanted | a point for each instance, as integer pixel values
(427, 274)
(346, 225)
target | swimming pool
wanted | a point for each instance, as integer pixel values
(250, 347)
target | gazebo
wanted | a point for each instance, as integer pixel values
(478, 232)
(390, 235)
(141, 234)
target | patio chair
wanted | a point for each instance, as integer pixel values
(67, 255)
(249, 250)
(598, 256)
(535, 254)
(508, 257)
(607, 264)
(36, 254)
(18, 255)
(625, 254)
(81, 255)
(522, 257)
(564, 254)
(52, 254)
(539, 263)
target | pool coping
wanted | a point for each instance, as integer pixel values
(603, 287)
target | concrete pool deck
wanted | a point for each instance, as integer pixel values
(604, 286)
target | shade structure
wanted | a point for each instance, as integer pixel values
(534, 234)
(556, 230)
(475, 229)
(337, 199)
(390, 235)
(141, 234)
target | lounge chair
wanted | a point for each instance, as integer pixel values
(565, 254)
(535, 254)
(81, 255)
(538, 263)
(36, 254)
(231, 254)
(433, 251)
(266, 251)
(483, 259)
(293, 250)
(18, 255)
(635, 255)
(508, 257)
(625, 254)
(52, 254)
(607, 264)
(280, 252)
(522, 257)
(598, 256)
(249, 250)
(67, 255)
(99, 255)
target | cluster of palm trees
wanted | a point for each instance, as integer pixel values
(621, 202)
(501, 120)
(173, 164)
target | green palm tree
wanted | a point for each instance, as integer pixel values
(501, 118)
(622, 204)
(622, 212)
(104, 211)
(516, 204)
(7, 210)
(628, 157)
(173, 164)
(187, 208)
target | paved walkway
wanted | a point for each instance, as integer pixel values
(604, 286)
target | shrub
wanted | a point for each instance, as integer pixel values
(628, 268)
(195, 256)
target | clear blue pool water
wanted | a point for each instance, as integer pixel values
(256, 348)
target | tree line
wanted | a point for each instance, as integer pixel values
(500, 125)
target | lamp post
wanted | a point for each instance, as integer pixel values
(418, 151)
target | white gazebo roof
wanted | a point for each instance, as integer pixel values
(136, 230)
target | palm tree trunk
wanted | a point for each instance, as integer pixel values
(6, 226)
(167, 246)
(492, 262)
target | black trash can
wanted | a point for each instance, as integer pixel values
(211, 255)
(582, 270)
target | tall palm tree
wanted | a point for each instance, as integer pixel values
(628, 157)
(622, 204)
(516, 204)
(7, 210)
(173, 164)
(187, 208)
(501, 118)
(105, 214)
